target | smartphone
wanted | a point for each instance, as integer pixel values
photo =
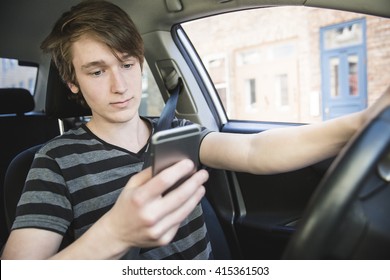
(172, 145)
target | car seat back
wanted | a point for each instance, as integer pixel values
(20, 128)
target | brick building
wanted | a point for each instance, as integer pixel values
(294, 64)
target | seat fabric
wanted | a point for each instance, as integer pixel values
(21, 128)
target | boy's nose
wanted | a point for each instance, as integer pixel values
(118, 83)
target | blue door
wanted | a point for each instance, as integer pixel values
(344, 78)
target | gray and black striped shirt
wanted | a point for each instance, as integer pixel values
(76, 178)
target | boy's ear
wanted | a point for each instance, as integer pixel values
(73, 88)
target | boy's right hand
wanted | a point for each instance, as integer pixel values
(143, 217)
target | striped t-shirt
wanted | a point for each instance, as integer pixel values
(77, 177)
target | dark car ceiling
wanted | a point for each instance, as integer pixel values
(29, 21)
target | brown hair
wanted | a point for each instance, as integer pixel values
(104, 20)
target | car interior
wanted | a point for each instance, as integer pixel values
(335, 209)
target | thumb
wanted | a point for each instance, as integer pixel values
(140, 178)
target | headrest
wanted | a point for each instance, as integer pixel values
(16, 101)
(58, 105)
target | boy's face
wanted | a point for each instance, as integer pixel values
(112, 88)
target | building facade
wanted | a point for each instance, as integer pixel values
(294, 64)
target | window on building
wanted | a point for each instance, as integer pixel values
(250, 90)
(334, 76)
(281, 91)
(248, 57)
(353, 63)
(344, 36)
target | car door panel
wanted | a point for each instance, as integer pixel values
(266, 208)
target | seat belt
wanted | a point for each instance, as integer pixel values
(174, 85)
(168, 112)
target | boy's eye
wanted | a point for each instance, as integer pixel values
(96, 73)
(127, 65)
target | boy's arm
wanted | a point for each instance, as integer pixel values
(285, 149)
(278, 150)
(32, 243)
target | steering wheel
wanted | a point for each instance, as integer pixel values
(348, 216)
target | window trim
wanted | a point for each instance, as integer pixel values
(200, 74)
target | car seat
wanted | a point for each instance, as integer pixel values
(21, 127)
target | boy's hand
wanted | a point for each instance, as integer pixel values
(143, 217)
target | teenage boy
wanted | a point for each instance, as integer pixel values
(87, 185)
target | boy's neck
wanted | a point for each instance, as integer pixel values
(132, 135)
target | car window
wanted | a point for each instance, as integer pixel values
(17, 74)
(152, 102)
(293, 64)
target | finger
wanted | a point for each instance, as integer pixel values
(168, 225)
(187, 188)
(169, 177)
(175, 199)
(140, 178)
(131, 192)
(144, 189)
